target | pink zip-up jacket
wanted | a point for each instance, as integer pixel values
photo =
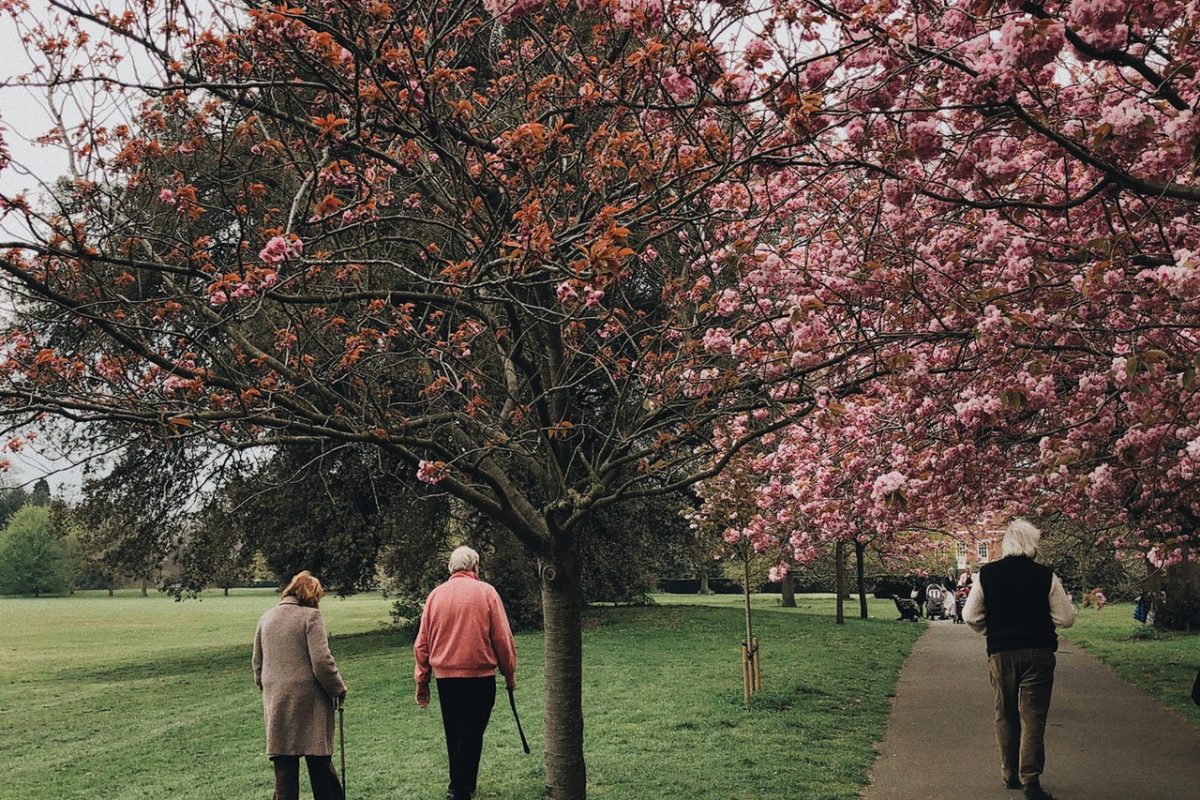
(464, 632)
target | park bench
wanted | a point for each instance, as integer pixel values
(908, 609)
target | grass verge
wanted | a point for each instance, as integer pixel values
(1161, 663)
(132, 697)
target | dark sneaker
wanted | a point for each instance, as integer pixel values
(1034, 791)
(1012, 784)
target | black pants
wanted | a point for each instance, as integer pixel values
(1023, 681)
(466, 708)
(324, 781)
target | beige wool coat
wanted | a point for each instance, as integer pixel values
(298, 678)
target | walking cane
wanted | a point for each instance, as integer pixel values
(341, 709)
(512, 701)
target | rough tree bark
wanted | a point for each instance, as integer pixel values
(1180, 610)
(562, 609)
(859, 547)
(788, 587)
(839, 581)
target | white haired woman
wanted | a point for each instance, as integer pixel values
(1017, 603)
(299, 681)
(464, 639)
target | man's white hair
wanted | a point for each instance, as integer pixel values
(463, 559)
(1021, 538)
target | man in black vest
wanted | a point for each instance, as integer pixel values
(1018, 602)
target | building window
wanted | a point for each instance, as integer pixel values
(960, 550)
(983, 552)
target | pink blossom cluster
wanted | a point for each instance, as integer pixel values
(175, 382)
(508, 11)
(280, 248)
(225, 292)
(573, 290)
(431, 472)
(1101, 23)
(1028, 43)
(641, 15)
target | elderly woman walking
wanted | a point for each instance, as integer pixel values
(299, 680)
(464, 638)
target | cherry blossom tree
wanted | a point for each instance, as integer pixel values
(1029, 170)
(505, 245)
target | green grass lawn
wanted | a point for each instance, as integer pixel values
(131, 697)
(1164, 666)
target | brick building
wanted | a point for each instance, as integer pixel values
(978, 544)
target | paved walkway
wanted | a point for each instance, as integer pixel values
(1105, 739)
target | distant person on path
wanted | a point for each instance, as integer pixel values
(464, 638)
(299, 682)
(920, 594)
(1017, 603)
(966, 579)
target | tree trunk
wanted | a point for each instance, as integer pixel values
(839, 580)
(859, 547)
(746, 597)
(110, 591)
(562, 697)
(145, 584)
(1181, 609)
(227, 591)
(788, 587)
(703, 581)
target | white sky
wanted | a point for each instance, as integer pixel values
(23, 117)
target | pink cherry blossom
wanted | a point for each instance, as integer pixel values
(431, 472)
(278, 249)
(592, 296)
(565, 292)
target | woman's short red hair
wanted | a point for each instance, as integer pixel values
(305, 588)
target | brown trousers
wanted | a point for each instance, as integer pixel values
(322, 778)
(1023, 681)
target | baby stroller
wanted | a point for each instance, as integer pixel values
(960, 600)
(936, 602)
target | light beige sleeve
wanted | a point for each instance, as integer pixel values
(975, 612)
(1062, 611)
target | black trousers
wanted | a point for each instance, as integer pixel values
(322, 778)
(466, 708)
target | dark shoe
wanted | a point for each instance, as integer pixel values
(1012, 784)
(1034, 791)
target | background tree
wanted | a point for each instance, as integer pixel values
(14, 498)
(33, 559)
(11, 501)
(474, 240)
(40, 495)
(132, 517)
